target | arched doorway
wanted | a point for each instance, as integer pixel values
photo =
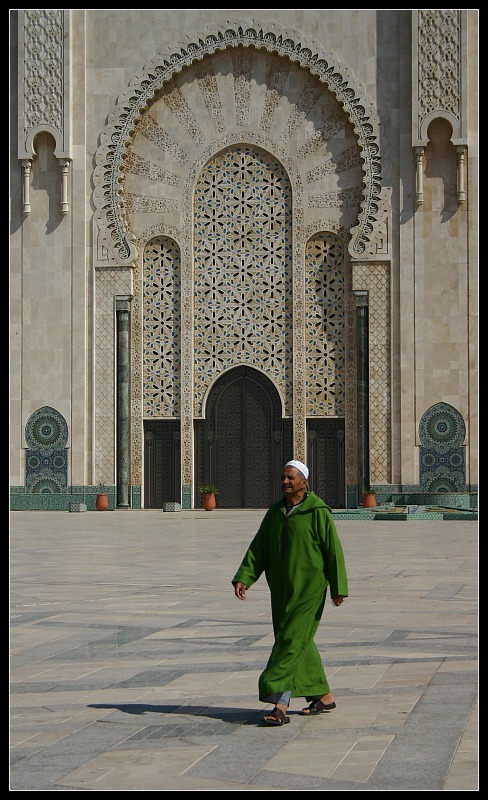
(241, 443)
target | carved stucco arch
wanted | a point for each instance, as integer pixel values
(130, 107)
(434, 115)
(30, 150)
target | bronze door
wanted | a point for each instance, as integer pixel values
(326, 460)
(162, 463)
(240, 444)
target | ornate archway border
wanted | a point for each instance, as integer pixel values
(116, 137)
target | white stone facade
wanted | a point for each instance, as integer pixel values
(239, 184)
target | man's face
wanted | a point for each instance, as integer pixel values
(293, 484)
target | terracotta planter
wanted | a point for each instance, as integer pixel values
(102, 502)
(369, 500)
(208, 501)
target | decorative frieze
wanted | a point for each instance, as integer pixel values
(439, 87)
(44, 92)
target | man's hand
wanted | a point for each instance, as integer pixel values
(240, 590)
(338, 600)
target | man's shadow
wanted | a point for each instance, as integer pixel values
(236, 716)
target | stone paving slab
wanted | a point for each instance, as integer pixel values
(134, 668)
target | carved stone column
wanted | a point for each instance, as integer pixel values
(122, 311)
(26, 172)
(64, 164)
(362, 353)
(461, 189)
(419, 174)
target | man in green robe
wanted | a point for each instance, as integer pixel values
(299, 551)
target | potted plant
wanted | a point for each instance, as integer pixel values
(101, 502)
(208, 492)
(369, 498)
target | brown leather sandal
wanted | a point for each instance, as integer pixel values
(275, 718)
(317, 707)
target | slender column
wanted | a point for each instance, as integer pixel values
(419, 174)
(122, 311)
(64, 162)
(461, 190)
(26, 172)
(362, 352)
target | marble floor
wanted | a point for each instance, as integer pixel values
(134, 668)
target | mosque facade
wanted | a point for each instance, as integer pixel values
(237, 238)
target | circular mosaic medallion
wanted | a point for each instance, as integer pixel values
(46, 486)
(441, 487)
(427, 459)
(59, 461)
(46, 429)
(443, 480)
(34, 462)
(442, 425)
(456, 460)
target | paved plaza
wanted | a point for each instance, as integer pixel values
(134, 668)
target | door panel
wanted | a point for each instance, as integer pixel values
(326, 460)
(243, 437)
(229, 446)
(162, 463)
(241, 447)
(258, 422)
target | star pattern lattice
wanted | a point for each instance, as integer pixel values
(325, 326)
(243, 291)
(242, 262)
(162, 328)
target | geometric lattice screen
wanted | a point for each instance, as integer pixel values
(242, 292)
(46, 456)
(442, 461)
(162, 329)
(325, 357)
(242, 269)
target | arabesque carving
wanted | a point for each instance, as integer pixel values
(109, 194)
